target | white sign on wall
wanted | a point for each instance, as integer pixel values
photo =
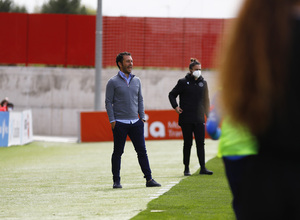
(19, 128)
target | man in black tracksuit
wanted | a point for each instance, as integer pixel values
(193, 105)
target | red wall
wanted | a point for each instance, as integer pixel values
(61, 39)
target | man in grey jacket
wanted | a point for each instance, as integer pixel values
(125, 108)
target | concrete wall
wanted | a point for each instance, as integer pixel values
(57, 95)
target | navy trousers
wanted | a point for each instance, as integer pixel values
(136, 134)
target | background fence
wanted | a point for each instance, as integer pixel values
(69, 40)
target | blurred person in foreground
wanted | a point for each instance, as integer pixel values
(237, 148)
(125, 108)
(259, 76)
(193, 106)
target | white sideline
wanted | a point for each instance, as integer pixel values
(55, 139)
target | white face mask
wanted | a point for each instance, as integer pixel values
(197, 73)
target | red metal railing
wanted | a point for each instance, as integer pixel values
(69, 40)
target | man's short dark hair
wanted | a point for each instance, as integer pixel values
(120, 57)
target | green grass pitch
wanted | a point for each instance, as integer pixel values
(45, 180)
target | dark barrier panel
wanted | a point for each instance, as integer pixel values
(13, 38)
(47, 39)
(81, 40)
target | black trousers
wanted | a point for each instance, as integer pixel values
(236, 170)
(136, 134)
(272, 189)
(188, 131)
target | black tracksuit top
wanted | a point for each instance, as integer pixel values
(193, 99)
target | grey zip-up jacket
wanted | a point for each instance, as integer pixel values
(122, 101)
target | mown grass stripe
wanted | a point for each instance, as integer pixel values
(46, 180)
